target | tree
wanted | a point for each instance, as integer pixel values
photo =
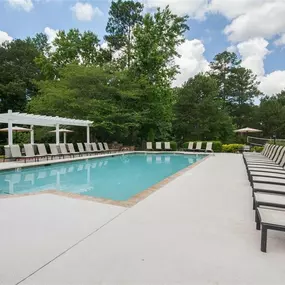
(123, 17)
(155, 42)
(91, 93)
(238, 86)
(72, 47)
(199, 112)
(271, 115)
(17, 74)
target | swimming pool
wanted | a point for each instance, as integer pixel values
(116, 178)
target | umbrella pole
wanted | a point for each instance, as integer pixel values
(64, 138)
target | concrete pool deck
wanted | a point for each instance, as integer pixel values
(198, 229)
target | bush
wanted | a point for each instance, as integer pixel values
(257, 149)
(233, 148)
(173, 145)
(217, 145)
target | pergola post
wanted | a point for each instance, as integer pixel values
(88, 134)
(57, 134)
(32, 134)
(10, 133)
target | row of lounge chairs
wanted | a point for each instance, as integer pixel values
(266, 174)
(198, 147)
(60, 151)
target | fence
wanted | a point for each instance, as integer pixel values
(262, 141)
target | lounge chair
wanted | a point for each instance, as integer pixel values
(63, 150)
(158, 146)
(190, 146)
(101, 148)
(72, 150)
(17, 155)
(209, 147)
(54, 150)
(88, 148)
(167, 146)
(30, 152)
(268, 200)
(81, 149)
(95, 148)
(149, 146)
(269, 219)
(106, 147)
(42, 151)
(198, 146)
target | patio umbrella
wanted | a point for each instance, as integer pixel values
(16, 129)
(247, 130)
(64, 131)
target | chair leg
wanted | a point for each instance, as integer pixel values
(257, 220)
(263, 239)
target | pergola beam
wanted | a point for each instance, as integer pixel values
(11, 118)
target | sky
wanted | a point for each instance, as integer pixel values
(254, 29)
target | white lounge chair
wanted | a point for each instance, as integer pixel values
(158, 146)
(190, 146)
(17, 155)
(64, 151)
(101, 148)
(30, 152)
(54, 150)
(167, 146)
(81, 148)
(88, 148)
(72, 150)
(198, 146)
(149, 146)
(209, 147)
(43, 151)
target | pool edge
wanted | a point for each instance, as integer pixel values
(126, 203)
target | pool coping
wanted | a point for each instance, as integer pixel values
(126, 203)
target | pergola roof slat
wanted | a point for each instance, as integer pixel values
(40, 120)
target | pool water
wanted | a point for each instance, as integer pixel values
(117, 178)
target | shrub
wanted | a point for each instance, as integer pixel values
(217, 145)
(173, 145)
(257, 148)
(232, 147)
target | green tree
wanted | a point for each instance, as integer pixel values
(199, 112)
(155, 42)
(94, 94)
(17, 74)
(238, 86)
(123, 17)
(271, 115)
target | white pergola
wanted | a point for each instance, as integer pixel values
(11, 118)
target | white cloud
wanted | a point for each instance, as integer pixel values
(191, 62)
(273, 83)
(253, 53)
(26, 5)
(194, 8)
(232, 49)
(85, 11)
(4, 37)
(266, 20)
(51, 34)
(280, 41)
(233, 8)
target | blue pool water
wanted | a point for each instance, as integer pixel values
(116, 178)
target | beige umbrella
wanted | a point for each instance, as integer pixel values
(247, 130)
(16, 129)
(64, 131)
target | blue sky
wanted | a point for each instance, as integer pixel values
(215, 25)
